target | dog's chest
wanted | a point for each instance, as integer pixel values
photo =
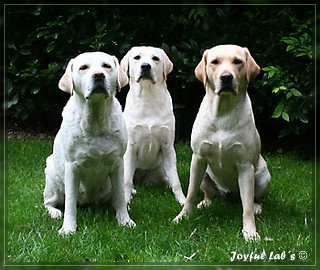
(150, 108)
(222, 154)
(148, 141)
(222, 147)
(95, 151)
(93, 160)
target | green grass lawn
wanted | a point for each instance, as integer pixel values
(209, 236)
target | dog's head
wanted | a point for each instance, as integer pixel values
(93, 73)
(146, 63)
(227, 69)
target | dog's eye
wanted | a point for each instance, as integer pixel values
(105, 65)
(83, 67)
(137, 57)
(215, 62)
(155, 58)
(237, 62)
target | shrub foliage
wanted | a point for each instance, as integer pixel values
(40, 39)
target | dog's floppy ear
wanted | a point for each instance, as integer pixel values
(252, 68)
(66, 83)
(200, 71)
(167, 65)
(124, 63)
(122, 76)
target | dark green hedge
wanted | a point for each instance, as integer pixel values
(40, 39)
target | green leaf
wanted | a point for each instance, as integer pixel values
(266, 69)
(304, 118)
(278, 110)
(35, 90)
(285, 116)
(301, 54)
(13, 101)
(271, 73)
(289, 95)
(289, 48)
(296, 92)
(51, 47)
(275, 90)
(25, 52)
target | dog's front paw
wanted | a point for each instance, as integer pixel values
(127, 223)
(203, 204)
(125, 220)
(67, 230)
(130, 223)
(183, 214)
(251, 236)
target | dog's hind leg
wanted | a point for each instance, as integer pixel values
(210, 190)
(54, 212)
(52, 198)
(262, 182)
(53, 192)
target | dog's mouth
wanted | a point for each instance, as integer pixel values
(227, 89)
(145, 76)
(99, 87)
(98, 90)
(226, 84)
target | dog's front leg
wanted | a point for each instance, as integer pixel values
(71, 195)
(246, 186)
(170, 171)
(118, 196)
(129, 170)
(197, 170)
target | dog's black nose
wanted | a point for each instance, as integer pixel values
(226, 77)
(145, 66)
(98, 76)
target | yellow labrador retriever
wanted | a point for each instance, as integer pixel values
(86, 165)
(150, 121)
(224, 140)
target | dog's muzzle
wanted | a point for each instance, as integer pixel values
(226, 83)
(99, 85)
(145, 72)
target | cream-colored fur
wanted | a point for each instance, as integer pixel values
(86, 165)
(224, 140)
(150, 120)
